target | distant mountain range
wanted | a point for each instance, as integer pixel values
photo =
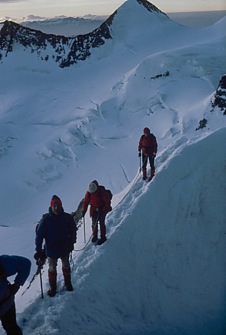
(67, 26)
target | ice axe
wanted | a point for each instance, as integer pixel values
(40, 264)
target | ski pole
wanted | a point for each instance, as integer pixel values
(84, 225)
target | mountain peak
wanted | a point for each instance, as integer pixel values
(65, 51)
(149, 6)
(146, 4)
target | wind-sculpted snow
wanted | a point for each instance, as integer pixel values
(5, 144)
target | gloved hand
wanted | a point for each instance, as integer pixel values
(40, 256)
(83, 213)
(154, 154)
(13, 288)
(139, 154)
(36, 255)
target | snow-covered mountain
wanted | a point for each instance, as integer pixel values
(163, 269)
(48, 47)
(67, 51)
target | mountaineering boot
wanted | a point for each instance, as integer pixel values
(94, 238)
(67, 278)
(144, 174)
(52, 283)
(101, 240)
(102, 235)
(152, 174)
(95, 232)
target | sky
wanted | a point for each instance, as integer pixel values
(50, 8)
(162, 269)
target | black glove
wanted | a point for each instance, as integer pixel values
(139, 154)
(13, 289)
(40, 256)
(83, 213)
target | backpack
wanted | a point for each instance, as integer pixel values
(106, 196)
(78, 214)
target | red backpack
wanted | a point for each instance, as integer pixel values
(106, 196)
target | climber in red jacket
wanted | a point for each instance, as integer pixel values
(148, 145)
(99, 200)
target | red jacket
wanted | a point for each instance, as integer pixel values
(96, 200)
(148, 145)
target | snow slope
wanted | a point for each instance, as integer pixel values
(162, 270)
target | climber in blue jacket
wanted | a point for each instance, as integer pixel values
(19, 267)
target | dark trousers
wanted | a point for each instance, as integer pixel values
(98, 217)
(144, 164)
(9, 322)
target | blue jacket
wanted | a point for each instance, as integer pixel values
(59, 233)
(11, 265)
